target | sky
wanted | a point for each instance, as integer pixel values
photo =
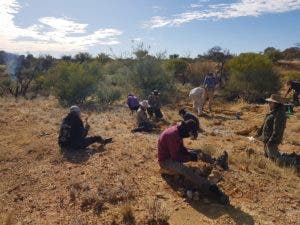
(116, 27)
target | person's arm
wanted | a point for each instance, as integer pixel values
(174, 149)
(288, 91)
(205, 82)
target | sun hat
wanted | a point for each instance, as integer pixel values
(144, 104)
(155, 92)
(275, 98)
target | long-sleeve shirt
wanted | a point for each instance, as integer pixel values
(132, 101)
(273, 127)
(170, 146)
(141, 117)
(294, 86)
(210, 82)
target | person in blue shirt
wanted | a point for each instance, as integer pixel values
(210, 83)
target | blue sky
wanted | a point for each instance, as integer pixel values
(187, 27)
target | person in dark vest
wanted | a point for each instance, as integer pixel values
(271, 133)
(295, 86)
(73, 134)
(154, 105)
(189, 116)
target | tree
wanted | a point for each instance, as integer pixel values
(251, 76)
(82, 57)
(221, 56)
(103, 58)
(291, 53)
(66, 58)
(174, 56)
(179, 68)
(273, 54)
(23, 70)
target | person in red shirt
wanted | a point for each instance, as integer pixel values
(172, 154)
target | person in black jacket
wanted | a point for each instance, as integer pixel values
(73, 134)
(295, 86)
(188, 116)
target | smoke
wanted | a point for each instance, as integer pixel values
(13, 64)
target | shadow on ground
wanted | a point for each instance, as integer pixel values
(207, 206)
(81, 156)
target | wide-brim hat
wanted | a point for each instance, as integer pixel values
(275, 98)
(144, 103)
(155, 92)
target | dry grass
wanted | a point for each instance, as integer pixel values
(46, 188)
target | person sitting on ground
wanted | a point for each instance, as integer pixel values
(295, 86)
(210, 83)
(197, 95)
(133, 102)
(154, 105)
(73, 134)
(271, 133)
(172, 154)
(188, 116)
(143, 122)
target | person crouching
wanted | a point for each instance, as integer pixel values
(73, 134)
(143, 123)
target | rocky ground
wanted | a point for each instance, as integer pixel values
(120, 183)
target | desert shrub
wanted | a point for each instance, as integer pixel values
(112, 67)
(72, 83)
(178, 67)
(251, 76)
(148, 74)
(108, 94)
(198, 70)
(291, 75)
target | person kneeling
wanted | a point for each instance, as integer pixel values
(142, 119)
(73, 134)
(172, 154)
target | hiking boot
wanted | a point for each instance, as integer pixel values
(222, 161)
(107, 140)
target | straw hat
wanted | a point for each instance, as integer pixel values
(275, 98)
(144, 104)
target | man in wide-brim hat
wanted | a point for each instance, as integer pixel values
(154, 105)
(271, 133)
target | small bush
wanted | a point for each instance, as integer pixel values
(251, 76)
(72, 83)
(198, 70)
(292, 75)
(148, 74)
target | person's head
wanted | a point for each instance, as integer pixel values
(155, 92)
(188, 129)
(130, 94)
(210, 74)
(274, 101)
(75, 110)
(144, 104)
(182, 112)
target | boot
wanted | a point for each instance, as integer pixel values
(222, 161)
(107, 140)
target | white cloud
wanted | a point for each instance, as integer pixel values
(49, 34)
(224, 11)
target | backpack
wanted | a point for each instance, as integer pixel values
(64, 135)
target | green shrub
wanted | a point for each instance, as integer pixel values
(291, 75)
(107, 95)
(72, 83)
(148, 74)
(178, 67)
(252, 77)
